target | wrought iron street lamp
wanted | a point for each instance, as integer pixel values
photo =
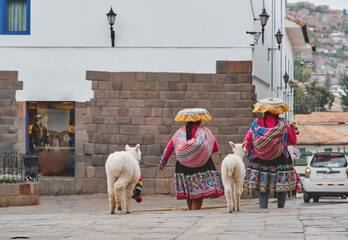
(263, 20)
(279, 38)
(111, 19)
(291, 84)
(286, 78)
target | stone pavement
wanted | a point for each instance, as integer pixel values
(87, 217)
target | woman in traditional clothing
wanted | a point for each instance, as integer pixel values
(195, 175)
(271, 167)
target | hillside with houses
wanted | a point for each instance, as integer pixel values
(328, 29)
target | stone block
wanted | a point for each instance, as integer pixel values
(100, 172)
(149, 130)
(172, 95)
(98, 94)
(112, 94)
(92, 111)
(96, 138)
(134, 86)
(64, 186)
(218, 95)
(149, 186)
(225, 130)
(122, 76)
(168, 172)
(188, 103)
(97, 160)
(108, 138)
(112, 129)
(243, 129)
(9, 75)
(102, 185)
(97, 75)
(125, 94)
(162, 138)
(160, 187)
(241, 103)
(90, 172)
(153, 149)
(148, 139)
(204, 103)
(234, 67)
(90, 185)
(109, 111)
(138, 121)
(109, 120)
(147, 86)
(24, 189)
(8, 111)
(137, 103)
(245, 113)
(34, 188)
(171, 103)
(218, 78)
(131, 130)
(219, 103)
(187, 77)
(148, 172)
(219, 113)
(174, 86)
(248, 96)
(123, 112)
(242, 87)
(139, 95)
(197, 95)
(238, 78)
(154, 103)
(88, 149)
(102, 128)
(140, 76)
(215, 87)
(80, 174)
(123, 120)
(9, 138)
(101, 149)
(7, 85)
(169, 77)
(135, 139)
(9, 189)
(162, 86)
(153, 121)
(202, 78)
(195, 86)
(123, 139)
(103, 85)
(135, 112)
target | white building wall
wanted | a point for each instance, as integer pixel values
(69, 37)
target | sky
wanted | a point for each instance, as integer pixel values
(334, 4)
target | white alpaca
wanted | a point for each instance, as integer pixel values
(122, 172)
(233, 172)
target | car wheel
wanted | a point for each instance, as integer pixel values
(316, 198)
(306, 197)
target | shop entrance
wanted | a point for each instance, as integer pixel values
(51, 135)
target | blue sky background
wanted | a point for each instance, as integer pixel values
(334, 4)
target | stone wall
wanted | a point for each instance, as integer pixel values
(9, 84)
(139, 107)
(19, 194)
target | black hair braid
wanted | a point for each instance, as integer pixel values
(268, 113)
(189, 127)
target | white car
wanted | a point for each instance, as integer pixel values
(326, 175)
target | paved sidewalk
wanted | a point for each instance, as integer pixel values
(87, 217)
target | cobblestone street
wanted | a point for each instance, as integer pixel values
(87, 217)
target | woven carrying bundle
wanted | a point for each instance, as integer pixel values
(196, 151)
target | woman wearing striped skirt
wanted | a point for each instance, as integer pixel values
(195, 175)
(271, 168)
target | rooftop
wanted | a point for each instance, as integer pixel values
(322, 118)
(320, 134)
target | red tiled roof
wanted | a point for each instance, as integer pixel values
(320, 134)
(322, 117)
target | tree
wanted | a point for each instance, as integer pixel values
(328, 80)
(344, 98)
(306, 75)
(315, 97)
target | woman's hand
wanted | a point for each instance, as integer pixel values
(162, 166)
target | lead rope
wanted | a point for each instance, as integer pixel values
(156, 165)
(164, 180)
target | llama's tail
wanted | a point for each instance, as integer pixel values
(230, 170)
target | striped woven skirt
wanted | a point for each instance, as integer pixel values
(200, 182)
(276, 175)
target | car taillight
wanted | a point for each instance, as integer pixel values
(308, 172)
(347, 172)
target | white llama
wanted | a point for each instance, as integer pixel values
(122, 172)
(233, 172)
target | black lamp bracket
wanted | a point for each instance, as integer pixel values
(256, 37)
(271, 52)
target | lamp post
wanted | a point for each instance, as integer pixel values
(279, 38)
(111, 19)
(286, 78)
(263, 19)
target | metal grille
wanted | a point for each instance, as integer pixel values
(17, 167)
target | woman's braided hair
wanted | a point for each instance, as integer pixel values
(189, 127)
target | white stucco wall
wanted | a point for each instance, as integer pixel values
(69, 37)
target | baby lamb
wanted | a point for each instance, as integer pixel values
(233, 172)
(122, 173)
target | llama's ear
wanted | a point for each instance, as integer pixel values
(232, 144)
(244, 143)
(127, 147)
(137, 147)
